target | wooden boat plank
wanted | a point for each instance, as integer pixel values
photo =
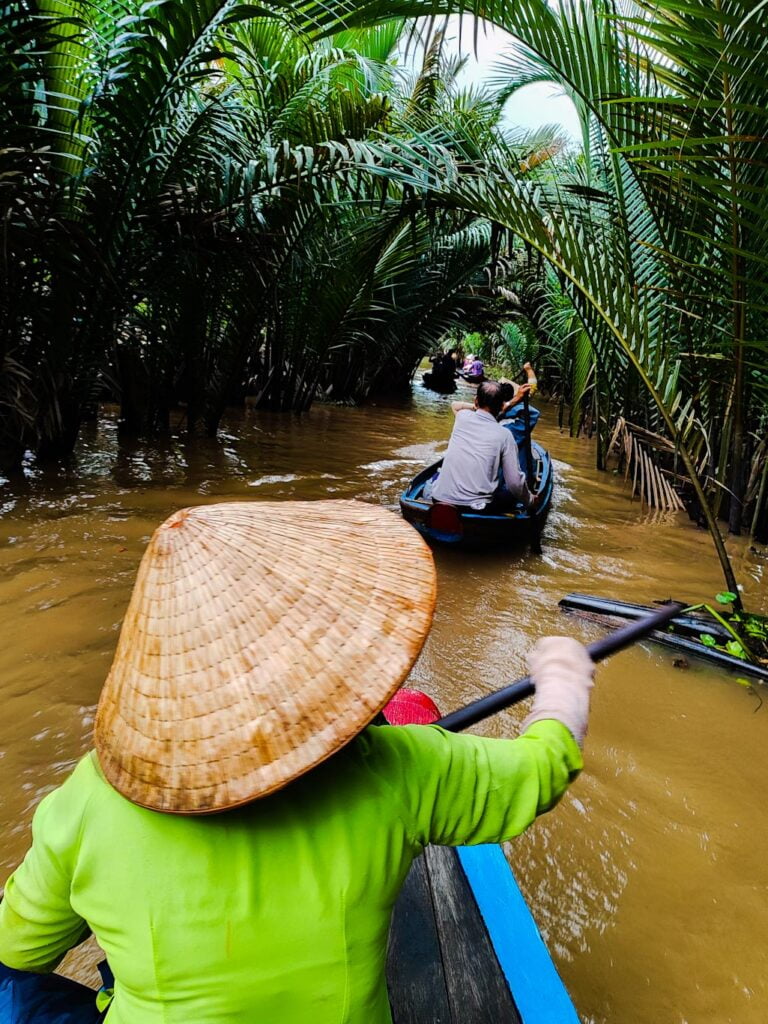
(477, 988)
(442, 968)
(463, 945)
(415, 971)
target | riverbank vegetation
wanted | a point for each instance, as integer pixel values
(207, 200)
(181, 230)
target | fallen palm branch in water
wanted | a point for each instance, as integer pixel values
(639, 452)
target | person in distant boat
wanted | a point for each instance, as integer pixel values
(514, 418)
(469, 476)
(474, 371)
(513, 394)
(238, 837)
(443, 373)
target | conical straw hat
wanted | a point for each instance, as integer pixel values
(259, 639)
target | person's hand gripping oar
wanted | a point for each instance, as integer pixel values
(557, 662)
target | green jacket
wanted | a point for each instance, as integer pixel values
(276, 913)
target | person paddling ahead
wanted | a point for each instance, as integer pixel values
(238, 837)
(469, 476)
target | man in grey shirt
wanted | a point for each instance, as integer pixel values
(478, 446)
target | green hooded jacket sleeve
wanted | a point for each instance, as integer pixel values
(463, 790)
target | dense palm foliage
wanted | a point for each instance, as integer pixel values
(655, 236)
(671, 283)
(181, 223)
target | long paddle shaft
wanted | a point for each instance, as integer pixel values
(527, 444)
(515, 692)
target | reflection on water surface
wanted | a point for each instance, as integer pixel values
(649, 881)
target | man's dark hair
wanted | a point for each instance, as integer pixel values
(507, 390)
(489, 397)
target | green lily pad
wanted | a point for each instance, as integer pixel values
(734, 647)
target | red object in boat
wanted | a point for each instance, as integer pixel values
(411, 707)
(445, 519)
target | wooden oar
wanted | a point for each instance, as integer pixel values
(529, 478)
(515, 692)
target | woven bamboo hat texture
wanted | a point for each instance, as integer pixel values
(259, 639)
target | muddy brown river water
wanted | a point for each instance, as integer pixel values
(649, 881)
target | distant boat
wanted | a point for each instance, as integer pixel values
(441, 383)
(448, 525)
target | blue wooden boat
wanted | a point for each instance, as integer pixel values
(447, 525)
(472, 378)
(464, 948)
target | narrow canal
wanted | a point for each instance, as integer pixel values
(649, 882)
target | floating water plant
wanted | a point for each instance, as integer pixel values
(749, 633)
